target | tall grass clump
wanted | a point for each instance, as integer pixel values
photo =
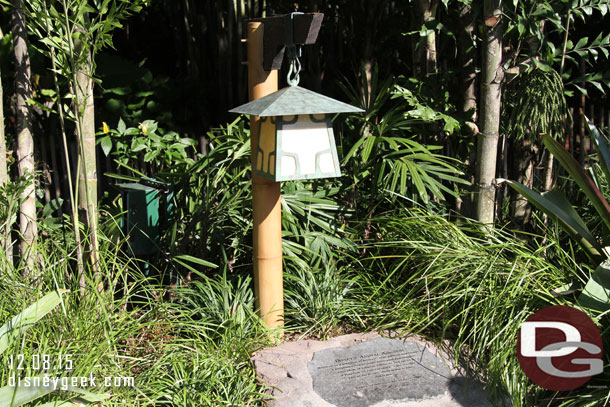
(221, 304)
(429, 276)
(162, 349)
(318, 297)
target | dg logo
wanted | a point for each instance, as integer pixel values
(560, 348)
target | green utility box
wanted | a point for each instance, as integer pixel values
(147, 206)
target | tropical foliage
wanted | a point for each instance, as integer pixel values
(596, 293)
(139, 91)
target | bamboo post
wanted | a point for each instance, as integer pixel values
(28, 228)
(491, 97)
(266, 200)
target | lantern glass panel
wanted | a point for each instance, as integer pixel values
(305, 147)
(266, 154)
(296, 147)
(302, 143)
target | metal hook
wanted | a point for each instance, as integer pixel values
(292, 52)
(295, 68)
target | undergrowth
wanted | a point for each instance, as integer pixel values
(190, 344)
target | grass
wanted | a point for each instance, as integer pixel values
(176, 355)
(425, 275)
(191, 345)
(447, 282)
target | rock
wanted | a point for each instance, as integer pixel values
(361, 370)
(380, 369)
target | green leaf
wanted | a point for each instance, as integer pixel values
(24, 320)
(601, 146)
(47, 92)
(106, 143)
(15, 396)
(132, 131)
(598, 86)
(555, 205)
(150, 155)
(121, 177)
(188, 141)
(60, 404)
(121, 126)
(193, 259)
(52, 206)
(138, 145)
(122, 91)
(368, 147)
(581, 89)
(144, 94)
(581, 43)
(578, 174)
(153, 137)
(596, 294)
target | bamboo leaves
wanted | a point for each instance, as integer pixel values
(537, 103)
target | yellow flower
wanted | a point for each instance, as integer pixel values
(105, 128)
(142, 128)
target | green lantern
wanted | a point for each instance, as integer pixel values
(296, 139)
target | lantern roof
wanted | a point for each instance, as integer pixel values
(294, 100)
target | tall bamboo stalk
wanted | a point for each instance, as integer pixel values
(4, 237)
(66, 158)
(427, 8)
(3, 158)
(82, 84)
(491, 93)
(467, 61)
(55, 166)
(467, 55)
(25, 141)
(85, 137)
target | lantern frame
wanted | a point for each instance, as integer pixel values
(284, 108)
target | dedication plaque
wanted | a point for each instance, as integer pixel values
(377, 370)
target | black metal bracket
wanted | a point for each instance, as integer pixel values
(277, 35)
